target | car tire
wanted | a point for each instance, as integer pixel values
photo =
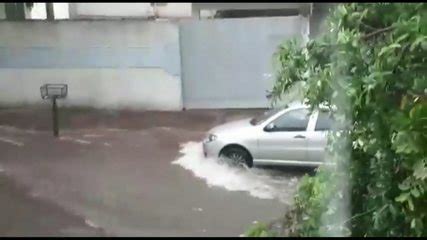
(236, 157)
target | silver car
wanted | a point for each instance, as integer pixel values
(290, 136)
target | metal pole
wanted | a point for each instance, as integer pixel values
(55, 117)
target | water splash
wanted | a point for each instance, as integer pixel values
(260, 183)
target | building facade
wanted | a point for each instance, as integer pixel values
(131, 59)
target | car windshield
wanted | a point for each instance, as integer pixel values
(262, 117)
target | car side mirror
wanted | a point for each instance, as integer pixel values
(270, 127)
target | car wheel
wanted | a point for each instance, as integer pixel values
(236, 156)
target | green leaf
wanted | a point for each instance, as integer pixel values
(415, 192)
(419, 40)
(410, 204)
(404, 143)
(418, 111)
(402, 37)
(420, 83)
(420, 169)
(389, 48)
(404, 186)
(402, 197)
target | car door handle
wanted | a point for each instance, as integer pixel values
(299, 136)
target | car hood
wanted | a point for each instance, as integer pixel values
(232, 126)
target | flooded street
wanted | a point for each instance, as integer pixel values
(133, 174)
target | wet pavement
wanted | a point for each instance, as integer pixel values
(111, 173)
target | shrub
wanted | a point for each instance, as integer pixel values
(371, 67)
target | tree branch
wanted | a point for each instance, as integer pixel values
(379, 31)
(367, 26)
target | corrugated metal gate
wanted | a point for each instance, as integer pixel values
(226, 63)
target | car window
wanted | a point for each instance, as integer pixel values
(262, 117)
(294, 120)
(324, 121)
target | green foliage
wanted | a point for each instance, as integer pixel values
(371, 66)
(312, 197)
(259, 230)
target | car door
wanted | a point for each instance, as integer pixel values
(287, 139)
(317, 136)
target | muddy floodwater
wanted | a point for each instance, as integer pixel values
(128, 174)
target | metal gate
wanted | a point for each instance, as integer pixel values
(227, 63)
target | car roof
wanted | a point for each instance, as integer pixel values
(297, 105)
(294, 106)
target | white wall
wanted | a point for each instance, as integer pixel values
(38, 11)
(107, 64)
(61, 10)
(113, 9)
(147, 89)
(105, 10)
(174, 10)
(141, 10)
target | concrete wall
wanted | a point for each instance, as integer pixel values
(107, 64)
(226, 63)
(2, 11)
(263, 5)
